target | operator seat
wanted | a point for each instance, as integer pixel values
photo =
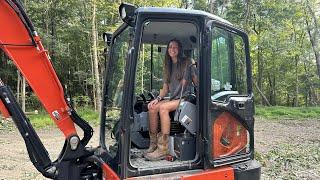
(184, 118)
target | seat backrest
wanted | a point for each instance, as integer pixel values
(186, 113)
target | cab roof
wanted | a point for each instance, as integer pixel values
(179, 11)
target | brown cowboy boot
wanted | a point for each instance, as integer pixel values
(163, 148)
(153, 143)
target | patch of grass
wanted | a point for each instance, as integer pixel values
(89, 115)
(40, 120)
(281, 112)
(43, 120)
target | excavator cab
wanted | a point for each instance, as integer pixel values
(221, 136)
(211, 130)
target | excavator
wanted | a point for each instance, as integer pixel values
(212, 130)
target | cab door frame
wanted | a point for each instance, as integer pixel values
(205, 81)
(126, 170)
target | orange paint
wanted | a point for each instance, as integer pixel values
(229, 137)
(224, 173)
(4, 110)
(108, 173)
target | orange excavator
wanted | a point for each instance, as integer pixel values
(211, 133)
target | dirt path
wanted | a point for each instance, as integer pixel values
(14, 159)
(289, 149)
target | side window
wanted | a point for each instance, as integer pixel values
(228, 67)
(116, 74)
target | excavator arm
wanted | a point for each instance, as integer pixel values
(21, 43)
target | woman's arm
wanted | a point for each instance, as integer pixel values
(190, 73)
(164, 91)
(195, 79)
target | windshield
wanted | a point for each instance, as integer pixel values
(116, 74)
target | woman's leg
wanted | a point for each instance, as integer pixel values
(163, 139)
(153, 117)
(164, 111)
(153, 127)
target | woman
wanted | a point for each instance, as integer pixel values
(178, 75)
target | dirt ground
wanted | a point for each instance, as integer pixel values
(287, 149)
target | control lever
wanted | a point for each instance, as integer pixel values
(151, 95)
(143, 97)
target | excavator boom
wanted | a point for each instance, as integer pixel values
(20, 42)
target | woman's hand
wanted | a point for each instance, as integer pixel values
(152, 104)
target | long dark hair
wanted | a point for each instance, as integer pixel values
(181, 63)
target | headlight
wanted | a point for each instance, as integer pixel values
(123, 13)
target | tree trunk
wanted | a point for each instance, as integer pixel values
(247, 16)
(47, 23)
(296, 94)
(272, 90)
(262, 95)
(93, 85)
(313, 96)
(18, 85)
(260, 66)
(313, 36)
(23, 96)
(95, 56)
(296, 58)
(213, 6)
(53, 31)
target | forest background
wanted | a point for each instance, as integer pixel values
(284, 44)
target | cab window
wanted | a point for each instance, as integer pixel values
(228, 65)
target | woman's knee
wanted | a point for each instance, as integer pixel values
(153, 110)
(163, 110)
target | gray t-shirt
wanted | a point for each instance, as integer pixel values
(175, 85)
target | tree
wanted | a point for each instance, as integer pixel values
(95, 57)
(284, 43)
(314, 33)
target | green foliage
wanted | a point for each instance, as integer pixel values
(281, 112)
(80, 101)
(65, 29)
(32, 102)
(280, 50)
(42, 120)
(283, 60)
(201, 5)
